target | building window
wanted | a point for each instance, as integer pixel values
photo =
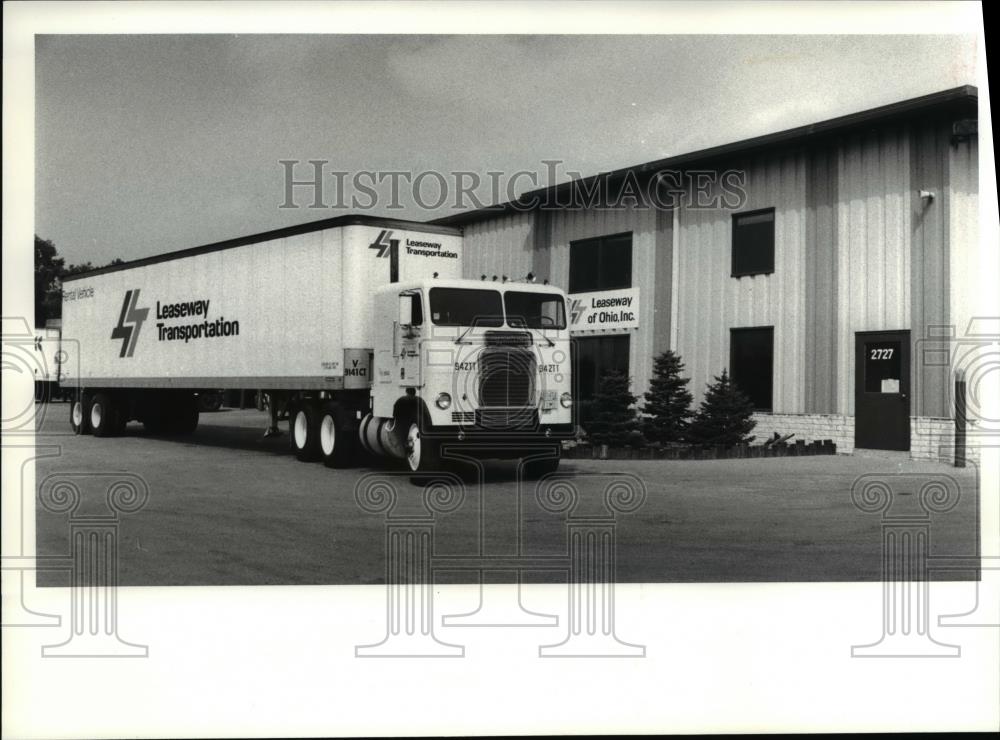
(604, 263)
(751, 364)
(753, 243)
(594, 357)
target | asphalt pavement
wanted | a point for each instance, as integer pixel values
(227, 507)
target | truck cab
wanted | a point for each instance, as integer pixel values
(484, 365)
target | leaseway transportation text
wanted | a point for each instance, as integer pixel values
(186, 332)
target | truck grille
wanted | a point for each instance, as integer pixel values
(507, 419)
(506, 377)
(508, 339)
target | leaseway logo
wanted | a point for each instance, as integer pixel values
(383, 243)
(129, 323)
(575, 311)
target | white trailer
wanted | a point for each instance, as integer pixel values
(362, 326)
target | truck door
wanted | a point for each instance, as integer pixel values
(408, 338)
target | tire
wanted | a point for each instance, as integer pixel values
(103, 415)
(538, 468)
(78, 415)
(304, 432)
(209, 401)
(338, 444)
(423, 455)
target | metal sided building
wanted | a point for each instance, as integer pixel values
(811, 263)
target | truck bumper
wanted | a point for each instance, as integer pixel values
(540, 435)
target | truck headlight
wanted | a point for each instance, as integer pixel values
(566, 400)
(443, 401)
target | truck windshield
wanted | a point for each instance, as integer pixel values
(465, 307)
(534, 310)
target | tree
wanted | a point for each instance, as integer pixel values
(49, 267)
(724, 417)
(50, 270)
(614, 421)
(668, 401)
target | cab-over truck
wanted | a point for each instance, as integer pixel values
(363, 328)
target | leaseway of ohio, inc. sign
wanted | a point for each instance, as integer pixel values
(606, 310)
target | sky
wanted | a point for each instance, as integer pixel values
(146, 144)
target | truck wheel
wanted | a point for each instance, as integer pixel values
(422, 454)
(103, 415)
(305, 433)
(78, 415)
(337, 443)
(209, 401)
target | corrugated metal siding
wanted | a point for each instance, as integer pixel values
(499, 246)
(928, 264)
(820, 329)
(873, 244)
(711, 302)
(663, 281)
(971, 295)
(855, 250)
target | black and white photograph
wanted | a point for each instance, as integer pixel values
(642, 359)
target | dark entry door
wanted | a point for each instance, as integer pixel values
(882, 390)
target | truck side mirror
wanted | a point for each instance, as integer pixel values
(405, 310)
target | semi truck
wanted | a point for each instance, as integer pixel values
(361, 327)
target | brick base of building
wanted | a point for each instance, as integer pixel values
(807, 427)
(931, 438)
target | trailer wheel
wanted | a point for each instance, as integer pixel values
(103, 415)
(337, 443)
(305, 433)
(423, 454)
(209, 400)
(78, 415)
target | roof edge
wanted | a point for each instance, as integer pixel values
(963, 94)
